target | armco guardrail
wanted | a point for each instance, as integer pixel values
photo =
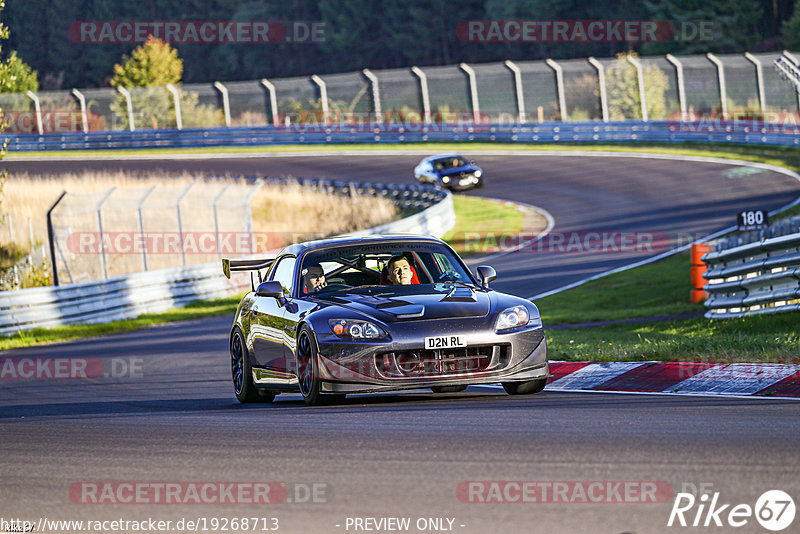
(157, 291)
(718, 131)
(753, 279)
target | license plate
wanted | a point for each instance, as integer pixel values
(444, 342)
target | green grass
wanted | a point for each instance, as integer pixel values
(752, 339)
(194, 310)
(660, 288)
(476, 214)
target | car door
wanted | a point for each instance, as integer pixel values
(267, 327)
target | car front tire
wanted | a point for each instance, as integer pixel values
(307, 360)
(525, 388)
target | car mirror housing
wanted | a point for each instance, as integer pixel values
(485, 275)
(271, 288)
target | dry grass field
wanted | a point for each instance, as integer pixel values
(291, 212)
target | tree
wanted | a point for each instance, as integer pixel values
(145, 73)
(791, 29)
(622, 87)
(153, 63)
(21, 77)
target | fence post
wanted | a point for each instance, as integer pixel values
(681, 87)
(216, 219)
(248, 224)
(723, 94)
(376, 94)
(84, 114)
(518, 89)
(99, 209)
(38, 110)
(762, 101)
(226, 103)
(788, 55)
(640, 79)
(30, 233)
(180, 222)
(473, 92)
(323, 97)
(423, 87)
(562, 99)
(51, 237)
(601, 80)
(129, 105)
(141, 223)
(176, 104)
(10, 228)
(273, 100)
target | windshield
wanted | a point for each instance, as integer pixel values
(380, 264)
(449, 163)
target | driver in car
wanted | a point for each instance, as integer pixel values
(399, 272)
(313, 278)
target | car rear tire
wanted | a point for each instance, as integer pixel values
(448, 389)
(242, 373)
(525, 388)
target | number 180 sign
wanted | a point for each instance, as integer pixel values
(752, 220)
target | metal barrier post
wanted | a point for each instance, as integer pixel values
(180, 222)
(473, 92)
(226, 103)
(601, 80)
(273, 100)
(248, 224)
(562, 99)
(129, 104)
(762, 101)
(82, 103)
(518, 89)
(176, 104)
(38, 109)
(640, 79)
(141, 223)
(376, 94)
(723, 94)
(423, 87)
(216, 219)
(788, 55)
(51, 237)
(99, 209)
(323, 97)
(681, 86)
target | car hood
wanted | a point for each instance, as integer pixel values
(456, 302)
(466, 169)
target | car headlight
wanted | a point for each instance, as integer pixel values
(446, 179)
(351, 329)
(478, 174)
(512, 318)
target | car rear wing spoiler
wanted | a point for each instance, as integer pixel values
(245, 265)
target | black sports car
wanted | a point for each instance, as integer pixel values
(450, 171)
(357, 315)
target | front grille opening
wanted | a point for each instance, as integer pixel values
(442, 362)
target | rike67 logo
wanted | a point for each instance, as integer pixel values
(774, 510)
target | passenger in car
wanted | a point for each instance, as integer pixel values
(400, 272)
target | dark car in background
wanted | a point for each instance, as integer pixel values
(451, 171)
(328, 320)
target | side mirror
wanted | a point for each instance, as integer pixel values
(485, 275)
(272, 288)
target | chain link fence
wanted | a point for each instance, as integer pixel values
(652, 88)
(119, 231)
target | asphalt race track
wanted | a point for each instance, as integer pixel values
(165, 412)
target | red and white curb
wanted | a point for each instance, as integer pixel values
(719, 379)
